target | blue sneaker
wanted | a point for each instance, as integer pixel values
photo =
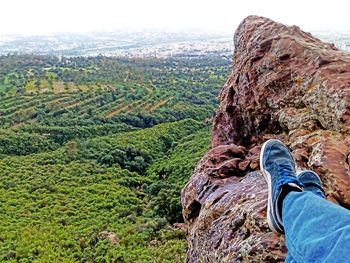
(278, 167)
(312, 183)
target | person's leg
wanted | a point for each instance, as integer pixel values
(312, 183)
(316, 230)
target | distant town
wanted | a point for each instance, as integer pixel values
(138, 44)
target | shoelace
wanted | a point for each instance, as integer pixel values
(287, 175)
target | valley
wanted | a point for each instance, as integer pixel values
(95, 151)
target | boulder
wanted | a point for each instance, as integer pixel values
(285, 84)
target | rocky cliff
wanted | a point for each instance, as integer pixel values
(285, 84)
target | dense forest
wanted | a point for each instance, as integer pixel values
(94, 152)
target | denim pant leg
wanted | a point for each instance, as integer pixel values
(290, 259)
(316, 230)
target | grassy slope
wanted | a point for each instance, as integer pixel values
(55, 204)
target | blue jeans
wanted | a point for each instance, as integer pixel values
(316, 230)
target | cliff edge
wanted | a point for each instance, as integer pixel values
(285, 84)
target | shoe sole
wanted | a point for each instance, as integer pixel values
(267, 177)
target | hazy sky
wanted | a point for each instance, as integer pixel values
(42, 16)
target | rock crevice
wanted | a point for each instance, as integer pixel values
(285, 84)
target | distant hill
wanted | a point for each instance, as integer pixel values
(139, 44)
(124, 43)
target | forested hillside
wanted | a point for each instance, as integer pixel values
(94, 152)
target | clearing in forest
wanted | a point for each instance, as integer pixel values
(159, 104)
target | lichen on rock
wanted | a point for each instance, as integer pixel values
(285, 84)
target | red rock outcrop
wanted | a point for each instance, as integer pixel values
(285, 84)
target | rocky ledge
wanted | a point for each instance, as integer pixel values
(285, 84)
